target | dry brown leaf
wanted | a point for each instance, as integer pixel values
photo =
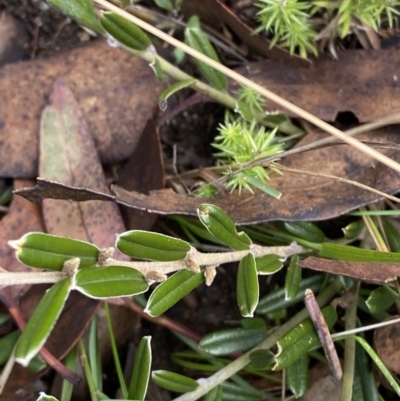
(143, 172)
(216, 13)
(365, 82)
(373, 272)
(304, 197)
(324, 389)
(115, 90)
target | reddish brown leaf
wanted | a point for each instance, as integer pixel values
(365, 271)
(365, 82)
(143, 172)
(115, 90)
(304, 197)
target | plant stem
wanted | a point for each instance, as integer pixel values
(249, 83)
(350, 320)
(11, 278)
(224, 374)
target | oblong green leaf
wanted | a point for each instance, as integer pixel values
(124, 31)
(268, 264)
(195, 38)
(172, 290)
(80, 10)
(110, 281)
(305, 230)
(214, 395)
(247, 289)
(140, 244)
(353, 254)
(301, 339)
(261, 359)
(234, 392)
(141, 370)
(271, 191)
(219, 224)
(42, 322)
(276, 299)
(171, 90)
(293, 279)
(392, 235)
(297, 376)
(380, 300)
(50, 252)
(174, 381)
(7, 345)
(229, 341)
(354, 229)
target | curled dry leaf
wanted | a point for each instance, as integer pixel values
(115, 90)
(365, 82)
(304, 197)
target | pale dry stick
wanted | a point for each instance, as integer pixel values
(340, 179)
(249, 83)
(162, 268)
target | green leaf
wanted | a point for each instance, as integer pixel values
(247, 289)
(229, 341)
(165, 4)
(42, 322)
(172, 290)
(214, 395)
(219, 224)
(152, 246)
(381, 366)
(124, 31)
(276, 299)
(141, 370)
(380, 300)
(353, 230)
(297, 376)
(293, 279)
(110, 281)
(80, 10)
(269, 264)
(195, 38)
(50, 252)
(233, 392)
(7, 345)
(352, 254)
(364, 382)
(392, 235)
(261, 359)
(171, 90)
(305, 230)
(271, 191)
(174, 381)
(301, 339)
